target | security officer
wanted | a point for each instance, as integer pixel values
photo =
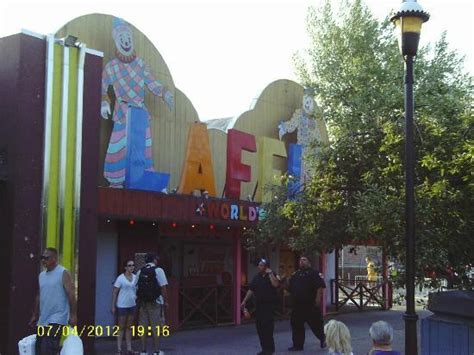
(306, 288)
(264, 286)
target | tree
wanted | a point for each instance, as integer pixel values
(356, 192)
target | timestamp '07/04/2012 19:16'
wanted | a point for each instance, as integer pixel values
(102, 331)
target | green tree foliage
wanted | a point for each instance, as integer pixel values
(357, 191)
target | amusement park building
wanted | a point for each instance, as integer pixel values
(102, 157)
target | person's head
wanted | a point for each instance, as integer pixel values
(338, 337)
(381, 333)
(304, 262)
(263, 265)
(129, 265)
(368, 259)
(151, 258)
(308, 104)
(49, 258)
(123, 37)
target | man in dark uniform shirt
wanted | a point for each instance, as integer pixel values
(264, 286)
(306, 288)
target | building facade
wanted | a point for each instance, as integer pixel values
(119, 164)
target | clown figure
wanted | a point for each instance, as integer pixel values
(309, 131)
(128, 75)
(305, 121)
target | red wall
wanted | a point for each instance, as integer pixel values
(22, 73)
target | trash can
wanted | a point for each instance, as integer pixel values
(450, 330)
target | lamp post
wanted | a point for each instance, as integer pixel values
(408, 20)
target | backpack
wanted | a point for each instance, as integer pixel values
(148, 287)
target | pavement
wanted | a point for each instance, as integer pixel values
(243, 339)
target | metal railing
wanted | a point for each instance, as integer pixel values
(366, 278)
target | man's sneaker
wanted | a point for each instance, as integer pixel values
(295, 348)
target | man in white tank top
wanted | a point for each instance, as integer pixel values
(55, 304)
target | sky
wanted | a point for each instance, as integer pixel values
(222, 54)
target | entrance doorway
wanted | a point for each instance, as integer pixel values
(206, 285)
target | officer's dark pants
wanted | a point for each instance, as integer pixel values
(306, 313)
(48, 343)
(265, 325)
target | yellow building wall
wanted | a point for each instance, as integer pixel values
(276, 103)
(169, 128)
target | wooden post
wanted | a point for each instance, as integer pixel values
(237, 277)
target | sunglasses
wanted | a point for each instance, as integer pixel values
(44, 257)
(130, 265)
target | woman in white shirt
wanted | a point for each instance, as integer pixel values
(123, 304)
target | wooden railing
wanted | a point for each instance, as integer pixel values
(205, 305)
(361, 293)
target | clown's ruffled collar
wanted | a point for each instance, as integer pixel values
(125, 58)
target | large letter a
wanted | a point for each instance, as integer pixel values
(198, 173)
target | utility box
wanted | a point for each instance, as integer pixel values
(451, 329)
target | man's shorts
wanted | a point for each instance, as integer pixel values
(151, 313)
(124, 312)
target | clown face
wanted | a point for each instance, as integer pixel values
(308, 104)
(124, 41)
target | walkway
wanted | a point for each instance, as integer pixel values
(243, 339)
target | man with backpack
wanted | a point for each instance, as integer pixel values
(151, 299)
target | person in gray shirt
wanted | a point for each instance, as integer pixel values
(55, 304)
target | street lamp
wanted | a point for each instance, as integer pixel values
(408, 21)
